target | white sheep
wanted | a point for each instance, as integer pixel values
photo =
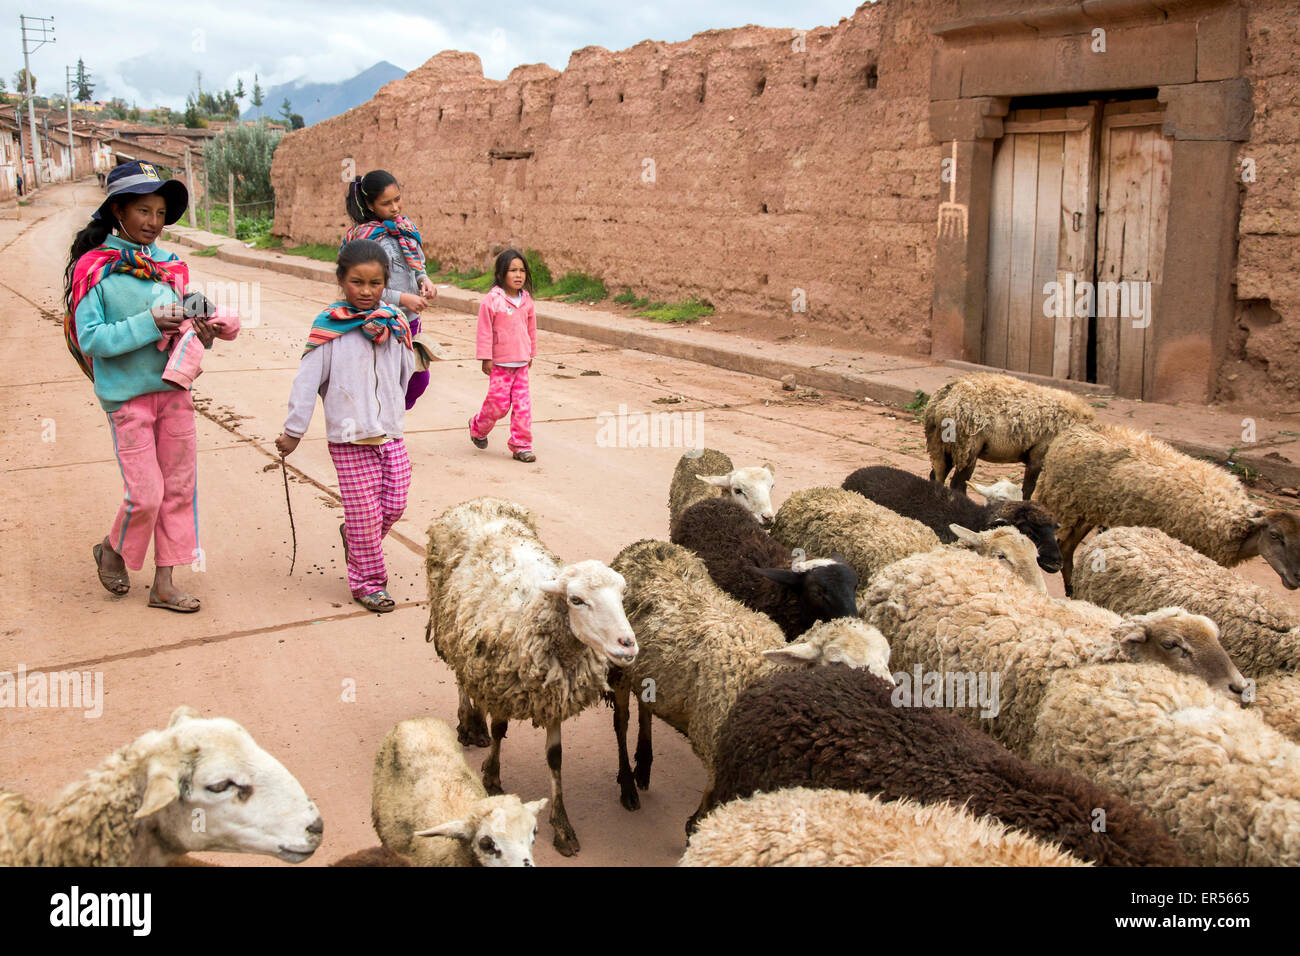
(528, 639)
(1115, 476)
(141, 806)
(707, 473)
(955, 613)
(999, 419)
(700, 648)
(1132, 570)
(1225, 783)
(428, 806)
(999, 491)
(804, 827)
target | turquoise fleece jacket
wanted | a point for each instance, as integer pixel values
(116, 329)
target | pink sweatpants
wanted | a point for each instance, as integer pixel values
(373, 481)
(507, 392)
(154, 439)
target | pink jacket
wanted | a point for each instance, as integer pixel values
(506, 332)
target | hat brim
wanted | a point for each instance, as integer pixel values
(174, 193)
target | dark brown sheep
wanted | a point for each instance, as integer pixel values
(836, 728)
(755, 569)
(937, 507)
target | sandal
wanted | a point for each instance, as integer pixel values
(525, 455)
(115, 582)
(378, 601)
(344, 535)
(185, 604)
(478, 442)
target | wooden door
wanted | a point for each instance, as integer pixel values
(1042, 226)
(1133, 204)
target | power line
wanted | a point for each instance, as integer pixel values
(35, 36)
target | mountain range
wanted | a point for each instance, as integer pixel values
(318, 101)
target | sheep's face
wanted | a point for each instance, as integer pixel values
(593, 596)
(503, 834)
(1037, 524)
(209, 786)
(750, 487)
(1015, 552)
(1277, 534)
(824, 587)
(1183, 642)
(848, 641)
(999, 491)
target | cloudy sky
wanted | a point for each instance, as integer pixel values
(149, 54)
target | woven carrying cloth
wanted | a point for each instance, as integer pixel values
(377, 324)
(401, 229)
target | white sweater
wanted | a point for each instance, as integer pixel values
(362, 388)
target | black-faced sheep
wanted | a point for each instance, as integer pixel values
(999, 419)
(802, 827)
(138, 807)
(708, 473)
(954, 613)
(938, 507)
(1115, 476)
(528, 639)
(428, 806)
(760, 572)
(700, 648)
(838, 728)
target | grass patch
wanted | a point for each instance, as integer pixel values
(692, 310)
(919, 401)
(316, 250)
(628, 297)
(574, 287)
(209, 251)
(541, 273)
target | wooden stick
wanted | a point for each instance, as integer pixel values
(284, 472)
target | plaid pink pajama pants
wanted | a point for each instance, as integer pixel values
(373, 481)
(507, 392)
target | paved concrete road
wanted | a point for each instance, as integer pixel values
(280, 654)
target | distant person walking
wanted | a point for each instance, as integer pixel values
(122, 293)
(19, 183)
(506, 345)
(374, 203)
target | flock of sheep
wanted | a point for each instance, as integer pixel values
(1152, 717)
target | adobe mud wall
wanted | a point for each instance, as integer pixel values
(737, 166)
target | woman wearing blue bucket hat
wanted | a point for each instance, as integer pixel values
(123, 293)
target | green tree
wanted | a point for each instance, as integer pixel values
(245, 151)
(240, 92)
(20, 81)
(286, 111)
(257, 94)
(82, 85)
(296, 121)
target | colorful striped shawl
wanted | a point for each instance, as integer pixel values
(101, 262)
(339, 317)
(401, 229)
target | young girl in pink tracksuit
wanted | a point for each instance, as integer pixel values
(507, 345)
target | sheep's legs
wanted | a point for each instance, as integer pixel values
(566, 841)
(471, 723)
(1033, 465)
(1069, 539)
(645, 754)
(492, 765)
(622, 708)
(963, 474)
(706, 804)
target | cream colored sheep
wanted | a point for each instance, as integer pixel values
(1131, 570)
(1000, 491)
(700, 648)
(803, 827)
(999, 419)
(140, 806)
(427, 805)
(528, 639)
(1225, 783)
(707, 473)
(956, 613)
(1115, 476)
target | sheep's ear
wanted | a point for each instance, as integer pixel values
(456, 830)
(780, 575)
(536, 806)
(1129, 631)
(982, 489)
(800, 653)
(162, 786)
(770, 470)
(553, 586)
(183, 713)
(717, 481)
(964, 535)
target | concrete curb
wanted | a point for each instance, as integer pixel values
(875, 387)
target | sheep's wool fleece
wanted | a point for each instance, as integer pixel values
(1006, 415)
(1226, 784)
(951, 610)
(1112, 475)
(508, 642)
(699, 646)
(823, 521)
(1135, 570)
(686, 489)
(804, 827)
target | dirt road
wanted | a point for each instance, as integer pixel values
(315, 679)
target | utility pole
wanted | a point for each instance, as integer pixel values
(42, 32)
(72, 146)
